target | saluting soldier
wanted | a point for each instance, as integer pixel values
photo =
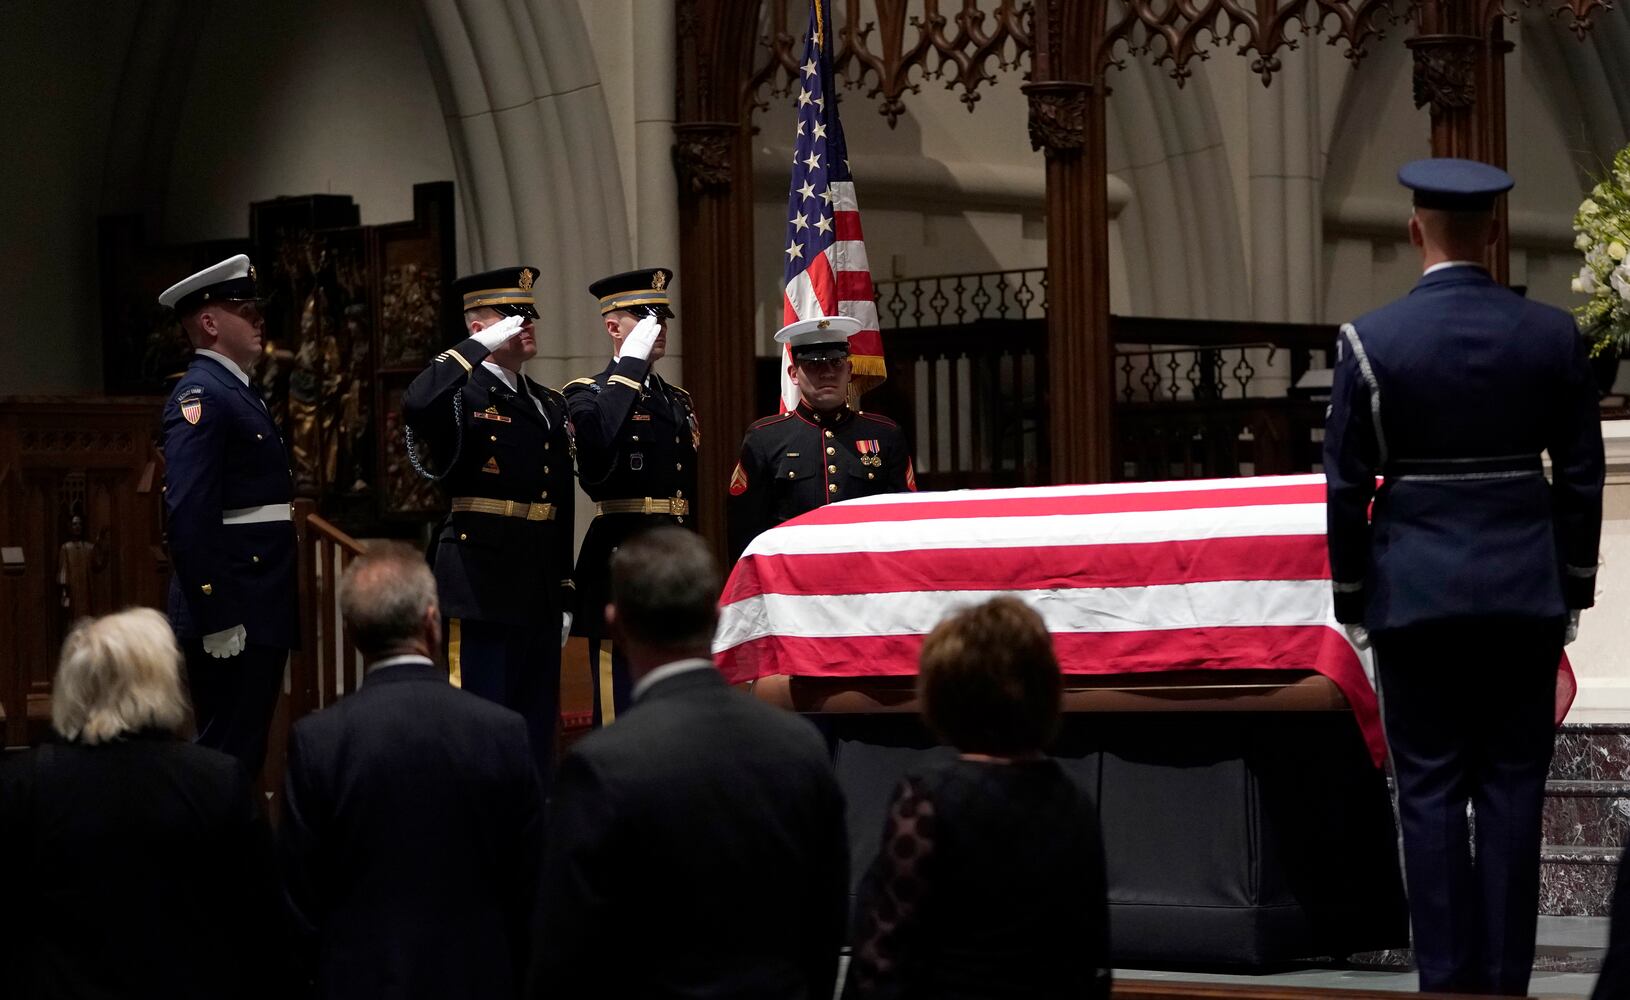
(228, 494)
(636, 453)
(503, 557)
(1466, 569)
(822, 450)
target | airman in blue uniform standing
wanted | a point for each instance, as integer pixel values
(228, 495)
(501, 444)
(1469, 571)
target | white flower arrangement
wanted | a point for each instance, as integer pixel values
(1603, 225)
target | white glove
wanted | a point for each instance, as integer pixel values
(493, 337)
(641, 339)
(1359, 636)
(1573, 627)
(226, 643)
(565, 627)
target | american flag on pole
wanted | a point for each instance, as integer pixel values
(826, 271)
(1131, 578)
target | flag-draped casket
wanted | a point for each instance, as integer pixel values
(1130, 578)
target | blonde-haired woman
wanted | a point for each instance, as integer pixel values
(146, 866)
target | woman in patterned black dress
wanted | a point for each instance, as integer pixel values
(990, 878)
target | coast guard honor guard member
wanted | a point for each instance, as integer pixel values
(228, 494)
(1469, 572)
(820, 452)
(637, 437)
(501, 444)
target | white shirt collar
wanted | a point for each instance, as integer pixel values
(228, 363)
(1445, 265)
(392, 661)
(504, 375)
(666, 671)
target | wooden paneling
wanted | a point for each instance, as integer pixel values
(61, 455)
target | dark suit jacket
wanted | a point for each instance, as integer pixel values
(146, 871)
(696, 849)
(410, 840)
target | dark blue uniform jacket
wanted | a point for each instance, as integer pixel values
(222, 453)
(494, 567)
(1450, 395)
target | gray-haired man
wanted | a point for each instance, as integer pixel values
(412, 812)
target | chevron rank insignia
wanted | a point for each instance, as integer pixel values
(738, 481)
(491, 466)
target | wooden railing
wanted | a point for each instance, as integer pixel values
(328, 665)
(968, 380)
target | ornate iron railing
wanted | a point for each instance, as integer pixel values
(967, 357)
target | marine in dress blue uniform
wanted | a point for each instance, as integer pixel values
(637, 437)
(501, 445)
(1466, 570)
(228, 493)
(822, 450)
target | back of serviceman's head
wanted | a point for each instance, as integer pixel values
(665, 589)
(384, 594)
(1462, 235)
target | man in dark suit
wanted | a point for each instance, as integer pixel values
(503, 558)
(636, 455)
(228, 494)
(697, 847)
(822, 450)
(412, 812)
(1471, 569)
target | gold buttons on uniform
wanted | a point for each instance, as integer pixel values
(870, 476)
(254, 559)
(260, 437)
(633, 437)
(492, 437)
(831, 450)
(544, 495)
(828, 433)
(678, 494)
(463, 537)
(676, 440)
(207, 589)
(791, 474)
(831, 487)
(546, 470)
(831, 468)
(679, 466)
(681, 520)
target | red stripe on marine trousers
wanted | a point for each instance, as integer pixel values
(1254, 647)
(911, 509)
(1008, 568)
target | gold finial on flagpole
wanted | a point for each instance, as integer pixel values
(820, 30)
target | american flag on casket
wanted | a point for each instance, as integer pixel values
(1219, 574)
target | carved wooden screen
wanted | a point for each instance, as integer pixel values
(352, 314)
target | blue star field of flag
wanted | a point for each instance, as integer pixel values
(821, 156)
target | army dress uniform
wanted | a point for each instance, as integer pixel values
(228, 497)
(1464, 573)
(503, 556)
(637, 437)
